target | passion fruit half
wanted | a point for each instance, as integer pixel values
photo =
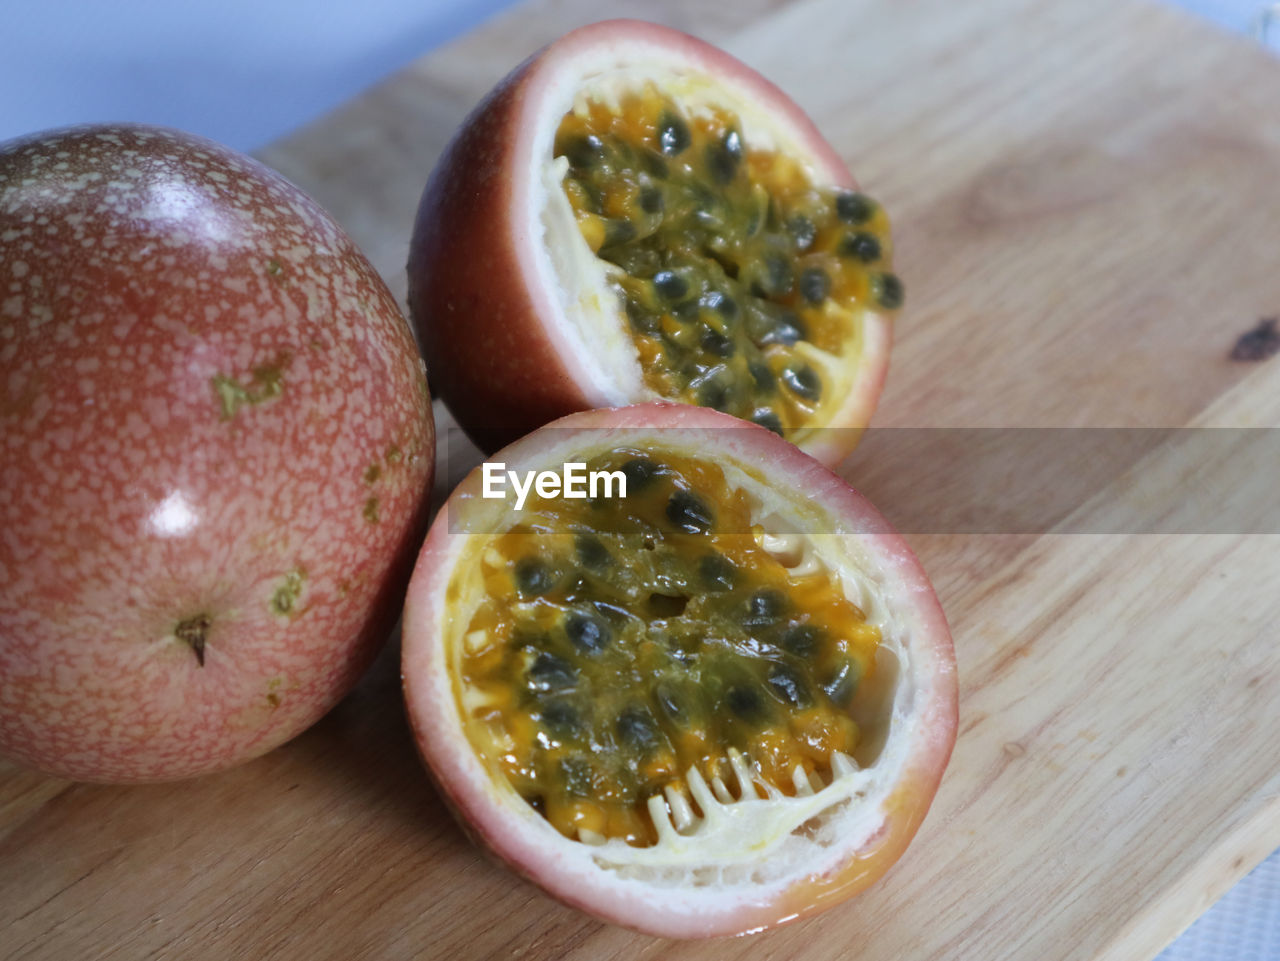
(718, 703)
(634, 215)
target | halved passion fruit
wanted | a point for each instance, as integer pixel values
(716, 703)
(635, 215)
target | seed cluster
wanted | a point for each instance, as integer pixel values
(741, 280)
(624, 640)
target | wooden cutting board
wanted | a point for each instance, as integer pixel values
(1086, 198)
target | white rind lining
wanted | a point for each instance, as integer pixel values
(604, 356)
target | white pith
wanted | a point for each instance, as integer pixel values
(744, 839)
(603, 356)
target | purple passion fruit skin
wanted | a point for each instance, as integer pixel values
(634, 215)
(218, 445)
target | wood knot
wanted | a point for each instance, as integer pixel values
(1259, 343)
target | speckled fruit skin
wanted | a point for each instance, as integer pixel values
(214, 426)
(474, 294)
(528, 844)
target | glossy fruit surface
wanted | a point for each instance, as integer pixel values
(217, 444)
(718, 703)
(634, 215)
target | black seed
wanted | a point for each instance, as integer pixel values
(768, 324)
(767, 602)
(854, 208)
(670, 284)
(561, 718)
(800, 639)
(533, 577)
(654, 165)
(671, 703)
(765, 607)
(778, 278)
(860, 246)
(815, 285)
(713, 393)
(725, 157)
(673, 134)
(584, 151)
(550, 673)
(615, 615)
(689, 512)
(592, 554)
(745, 702)
(786, 331)
(684, 657)
(651, 200)
(618, 232)
(637, 729)
(588, 633)
(732, 144)
(802, 231)
(642, 320)
(722, 304)
(717, 343)
(768, 419)
(763, 376)
(718, 573)
(888, 291)
(640, 472)
(789, 687)
(803, 381)
(842, 684)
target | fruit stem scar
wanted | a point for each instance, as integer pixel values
(194, 631)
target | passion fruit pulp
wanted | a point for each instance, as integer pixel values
(634, 215)
(715, 704)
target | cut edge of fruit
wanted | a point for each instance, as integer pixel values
(808, 837)
(576, 285)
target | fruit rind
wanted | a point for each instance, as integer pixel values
(492, 311)
(525, 840)
(202, 370)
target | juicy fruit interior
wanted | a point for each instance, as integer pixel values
(744, 284)
(620, 642)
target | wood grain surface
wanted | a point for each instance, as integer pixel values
(1086, 200)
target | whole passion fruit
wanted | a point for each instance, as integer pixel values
(632, 215)
(217, 444)
(689, 680)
